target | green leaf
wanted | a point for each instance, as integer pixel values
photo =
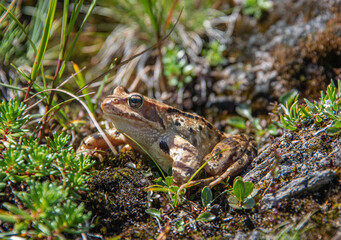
(2, 185)
(206, 196)
(16, 178)
(3, 235)
(206, 217)
(18, 211)
(248, 188)
(293, 111)
(318, 118)
(169, 180)
(256, 124)
(335, 128)
(287, 124)
(288, 97)
(154, 212)
(233, 202)
(7, 217)
(239, 189)
(311, 106)
(180, 225)
(174, 189)
(332, 131)
(329, 113)
(244, 111)
(272, 129)
(305, 112)
(337, 124)
(45, 229)
(249, 203)
(236, 122)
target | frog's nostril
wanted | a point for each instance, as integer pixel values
(109, 103)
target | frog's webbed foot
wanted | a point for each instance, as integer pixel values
(95, 145)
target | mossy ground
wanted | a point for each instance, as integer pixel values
(118, 200)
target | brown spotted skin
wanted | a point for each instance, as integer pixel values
(175, 139)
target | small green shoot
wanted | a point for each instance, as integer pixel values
(214, 55)
(177, 69)
(12, 118)
(206, 196)
(328, 108)
(256, 7)
(205, 217)
(244, 110)
(240, 197)
(154, 213)
(166, 186)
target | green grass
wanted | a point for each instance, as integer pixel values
(328, 108)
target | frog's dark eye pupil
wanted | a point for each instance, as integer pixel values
(135, 101)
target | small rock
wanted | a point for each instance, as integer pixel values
(310, 183)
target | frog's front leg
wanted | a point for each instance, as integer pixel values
(230, 157)
(95, 143)
(185, 159)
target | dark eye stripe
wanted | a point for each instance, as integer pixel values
(135, 101)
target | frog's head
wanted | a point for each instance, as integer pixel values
(133, 113)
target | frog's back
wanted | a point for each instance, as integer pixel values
(194, 128)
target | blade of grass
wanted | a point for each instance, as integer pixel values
(63, 36)
(61, 65)
(44, 40)
(12, 87)
(37, 24)
(21, 72)
(92, 6)
(147, 4)
(74, 15)
(81, 82)
(8, 10)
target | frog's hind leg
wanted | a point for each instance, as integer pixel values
(229, 158)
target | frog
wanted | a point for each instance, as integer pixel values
(180, 142)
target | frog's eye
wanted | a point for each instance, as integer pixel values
(135, 101)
